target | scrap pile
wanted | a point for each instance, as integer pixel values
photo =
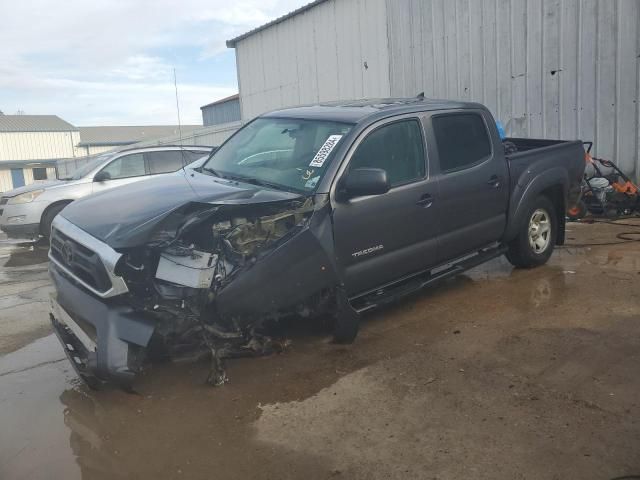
(606, 191)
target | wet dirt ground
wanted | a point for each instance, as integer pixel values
(496, 374)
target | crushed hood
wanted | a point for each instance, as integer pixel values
(126, 216)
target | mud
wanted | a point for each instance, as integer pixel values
(496, 374)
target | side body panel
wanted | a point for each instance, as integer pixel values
(558, 167)
(472, 202)
(381, 238)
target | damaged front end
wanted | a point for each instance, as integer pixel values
(207, 280)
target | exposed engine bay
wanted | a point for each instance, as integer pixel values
(181, 277)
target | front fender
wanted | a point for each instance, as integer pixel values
(286, 277)
(529, 186)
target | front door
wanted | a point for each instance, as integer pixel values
(472, 181)
(121, 171)
(381, 238)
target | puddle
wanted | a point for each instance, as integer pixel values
(408, 397)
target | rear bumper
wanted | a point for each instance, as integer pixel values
(101, 339)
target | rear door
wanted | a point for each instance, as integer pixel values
(472, 180)
(381, 238)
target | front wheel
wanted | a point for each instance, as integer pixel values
(47, 218)
(536, 237)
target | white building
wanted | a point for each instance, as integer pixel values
(546, 68)
(30, 146)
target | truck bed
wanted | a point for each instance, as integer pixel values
(541, 154)
(528, 144)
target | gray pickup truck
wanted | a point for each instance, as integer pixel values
(329, 209)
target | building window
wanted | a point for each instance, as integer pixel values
(40, 173)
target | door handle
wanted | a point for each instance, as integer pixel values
(425, 201)
(494, 181)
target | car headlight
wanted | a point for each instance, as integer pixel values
(26, 197)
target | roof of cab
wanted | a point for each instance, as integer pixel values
(354, 111)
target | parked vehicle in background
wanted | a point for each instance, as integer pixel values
(26, 213)
(329, 209)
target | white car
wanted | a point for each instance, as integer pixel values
(26, 213)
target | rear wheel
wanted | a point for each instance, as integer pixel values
(47, 218)
(536, 237)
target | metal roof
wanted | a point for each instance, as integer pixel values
(235, 96)
(34, 123)
(126, 135)
(356, 110)
(232, 43)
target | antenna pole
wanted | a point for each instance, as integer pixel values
(175, 84)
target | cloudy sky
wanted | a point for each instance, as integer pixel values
(110, 62)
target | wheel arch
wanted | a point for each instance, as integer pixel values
(48, 209)
(553, 184)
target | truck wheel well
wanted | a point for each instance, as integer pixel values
(557, 197)
(48, 209)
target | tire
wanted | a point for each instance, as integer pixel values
(47, 218)
(536, 235)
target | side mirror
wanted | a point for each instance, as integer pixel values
(102, 176)
(365, 181)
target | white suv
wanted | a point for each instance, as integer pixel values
(26, 213)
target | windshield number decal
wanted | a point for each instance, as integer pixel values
(325, 150)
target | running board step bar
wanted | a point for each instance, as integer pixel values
(391, 292)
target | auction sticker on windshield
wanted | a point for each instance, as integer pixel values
(325, 150)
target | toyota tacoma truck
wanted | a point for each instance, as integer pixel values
(331, 210)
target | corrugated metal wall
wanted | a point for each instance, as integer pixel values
(6, 183)
(547, 68)
(96, 149)
(220, 113)
(38, 145)
(335, 50)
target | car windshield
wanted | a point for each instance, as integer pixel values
(290, 154)
(88, 167)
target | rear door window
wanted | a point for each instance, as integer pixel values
(396, 148)
(164, 161)
(462, 140)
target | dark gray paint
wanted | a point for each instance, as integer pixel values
(464, 213)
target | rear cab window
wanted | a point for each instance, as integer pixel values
(462, 140)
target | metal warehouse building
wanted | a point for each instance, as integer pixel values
(222, 111)
(30, 145)
(546, 68)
